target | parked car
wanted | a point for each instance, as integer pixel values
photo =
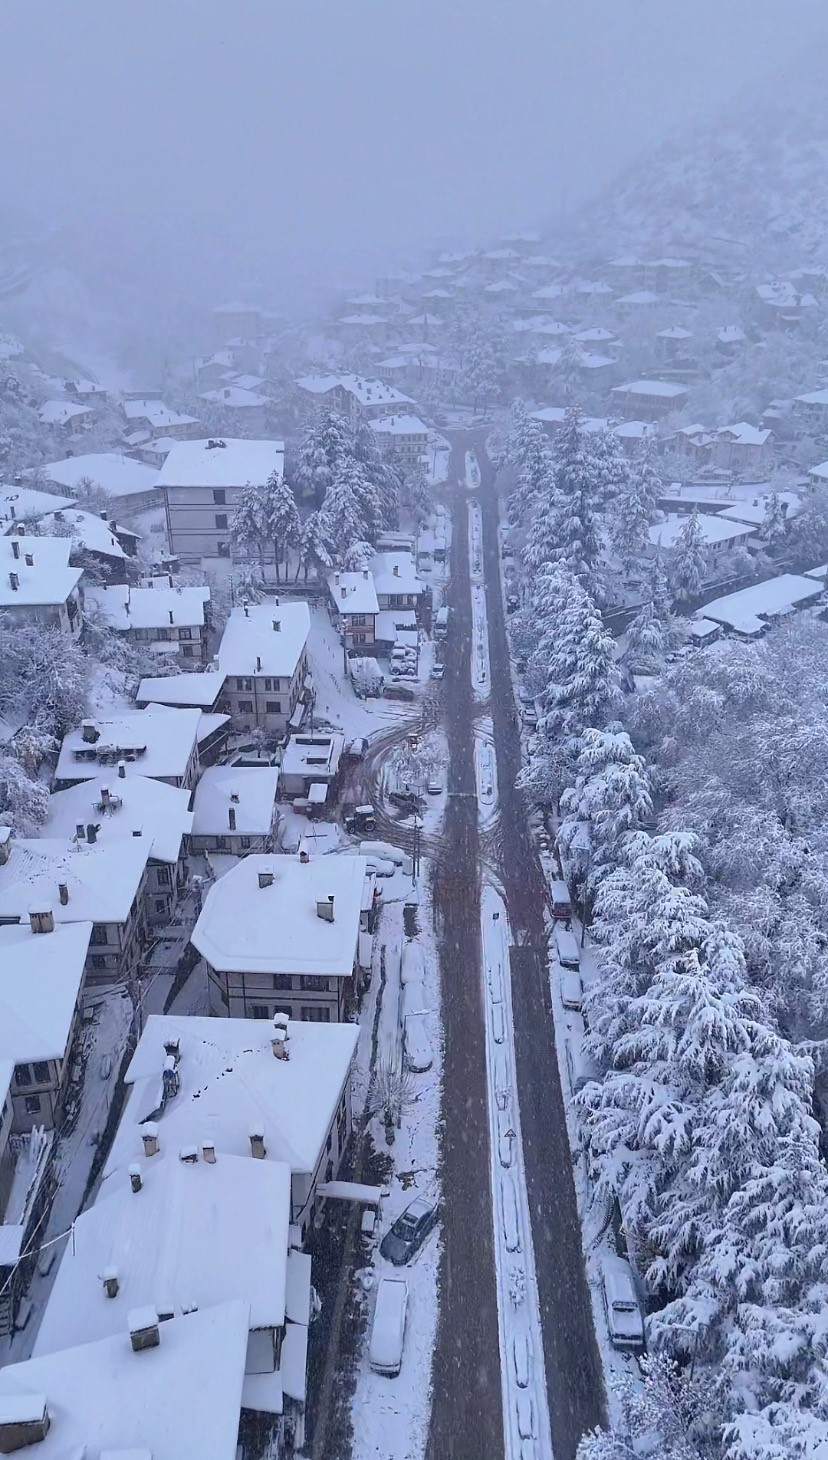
(529, 716)
(405, 800)
(385, 1350)
(566, 947)
(410, 1230)
(572, 990)
(580, 1066)
(561, 901)
(437, 671)
(398, 692)
(624, 1316)
(434, 788)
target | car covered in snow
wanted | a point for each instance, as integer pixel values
(624, 1316)
(566, 948)
(410, 1230)
(385, 1350)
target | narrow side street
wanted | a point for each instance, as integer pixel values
(467, 1418)
(573, 1368)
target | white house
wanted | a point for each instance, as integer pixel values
(182, 1395)
(246, 408)
(161, 743)
(42, 969)
(234, 810)
(164, 618)
(115, 809)
(200, 689)
(650, 397)
(52, 881)
(720, 534)
(813, 408)
(309, 760)
(352, 395)
(743, 447)
(37, 585)
(281, 934)
(129, 485)
(264, 656)
(66, 414)
(22, 504)
(402, 436)
(229, 1083)
(202, 481)
(395, 580)
(354, 605)
(155, 417)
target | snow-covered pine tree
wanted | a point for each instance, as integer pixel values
(326, 440)
(609, 800)
(249, 535)
(279, 517)
(349, 503)
(688, 560)
(569, 531)
(646, 643)
(634, 510)
(527, 450)
(582, 680)
(416, 499)
(774, 522)
(312, 549)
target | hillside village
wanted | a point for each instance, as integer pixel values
(358, 680)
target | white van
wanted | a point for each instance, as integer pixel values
(385, 1351)
(441, 621)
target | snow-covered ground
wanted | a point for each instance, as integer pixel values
(485, 770)
(522, 1374)
(472, 476)
(391, 1416)
(336, 703)
(437, 459)
(475, 542)
(480, 644)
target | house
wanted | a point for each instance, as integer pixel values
(234, 810)
(352, 395)
(264, 656)
(247, 409)
(201, 482)
(640, 301)
(153, 416)
(673, 341)
(26, 1186)
(720, 534)
(229, 1083)
(155, 451)
(96, 813)
(553, 419)
(210, 370)
(743, 448)
(212, 735)
(396, 581)
(201, 690)
(66, 415)
(813, 408)
(597, 335)
(652, 398)
(393, 369)
(37, 585)
(694, 443)
(42, 967)
(403, 436)
(281, 934)
(730, 338)
(129, 485)
(751, 611)
(309, 760)
(631, 435)
(27, 504)
(186, 1231)
(156, 742)
(95, 535)
(167, 620)
(354, 605)
(56, 881)
(181, 1394)
(359, 325)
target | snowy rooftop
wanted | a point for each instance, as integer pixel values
(597, 335)
(194, 1235)
(754, 511)
(713, 529)
(152, 742)
(814, 398)
(675, 332)
(730, 334)
(250, 792)
(46, 580)
(160, 417)
(230, 1081)
(399, 426)
(639, 296)
(88, 529)
(123, 607)
(101, 883)
(197, 689)
(366, 392)
(24, 503)
(250, 635)
(181, 1398)
(542, 324)
(313, 755)
(61, 412)
(396, 573)
(666, 388)
(135, 803)
(245, 928)
(549, 291)
(744, 434)
(120, 476)
(750, 610)
(232, 463)
(40, 980)
(237, 397)
(556, 415)
(353, 592)
(634, 430)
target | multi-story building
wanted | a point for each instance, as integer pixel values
(264, 658)
(352, 395)
(160, 616)
(42, 969)
(234, 810)
(37, 584)
(403, 436)
(158, 742)
(202, 481)
(354, 605)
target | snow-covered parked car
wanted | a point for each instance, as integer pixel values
(566, 948)
(572, 991)
(385, 1351)
(624, 1316)
(419, 1056)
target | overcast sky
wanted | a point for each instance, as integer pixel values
(198, 138)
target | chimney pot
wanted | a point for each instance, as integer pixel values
(189, 1155)
(277, 625)
(303, 856)
(257, 1145)
(231, 818)
(258, 663)
(15, 547)
(149, 1136)
(63, 893)
(110, 1281)
(30, 560)
(14, 582)
(89, 732)
(143, 1328)
(122, 770)
(80, 831)
(172, 616)
(91, 833)
(208, 1151)
(134, 1180)
(41, 920)
(265, 879)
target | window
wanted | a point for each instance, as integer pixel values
(282, 981)
(221, 519)
(185, 633)
(41, 1072)
(22, 1075)
(163, 877)
(329, 1143)
(160, 905)
(221, 843)
(315, 1014)
(258, 1011)
(98, 963)
(99, 934)
(268, 684)
(219, 496)
(244, 684)
(245, 843)
(245, 707)
(32, 1104)
(313, 985)
(188, 651)
(273, 707)
(164, 634)
(222, 549)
